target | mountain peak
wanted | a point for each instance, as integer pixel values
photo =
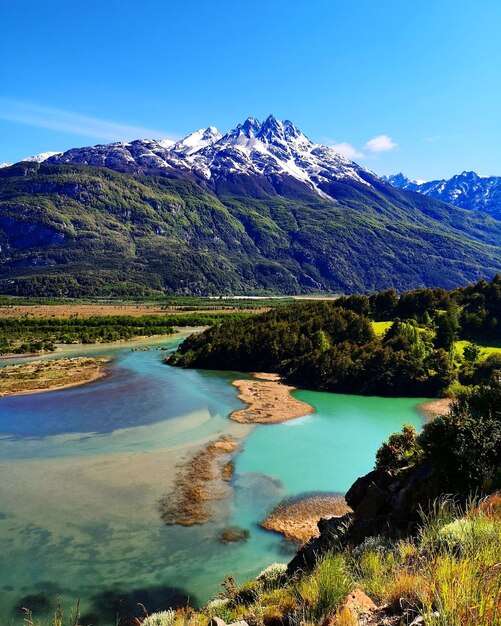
(196, 141)
(40, 158)
(249, 128)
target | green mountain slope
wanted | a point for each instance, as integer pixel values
(74, 230)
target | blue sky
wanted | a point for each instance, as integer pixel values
(420, 78)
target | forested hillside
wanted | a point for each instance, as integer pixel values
(73, 230)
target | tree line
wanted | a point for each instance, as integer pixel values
(21, 335)
(331, 345)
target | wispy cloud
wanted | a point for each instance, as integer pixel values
(432, 138)
(380, 143)
(347, 150)
(74, 123)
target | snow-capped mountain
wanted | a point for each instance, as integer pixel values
(261, 207)
(274, 148)
(271, 149)
(139, 155)
(467, 190)
(36, 158)
(40, 158)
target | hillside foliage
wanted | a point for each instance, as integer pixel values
(74, 230)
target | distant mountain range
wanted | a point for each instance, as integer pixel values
(467, 190)
(258, 209)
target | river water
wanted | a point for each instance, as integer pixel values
(83, 469)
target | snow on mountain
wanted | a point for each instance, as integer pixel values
(166, 143)
(138, 155)
(272, 149)
(467, 190)
(196, 141)
(40, 158)
(5, 165)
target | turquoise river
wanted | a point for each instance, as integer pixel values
(83, 469)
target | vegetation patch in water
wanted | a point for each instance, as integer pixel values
(199, 481)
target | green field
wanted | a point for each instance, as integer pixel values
(485, 350)
(381, 327)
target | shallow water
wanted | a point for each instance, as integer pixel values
(83, 469)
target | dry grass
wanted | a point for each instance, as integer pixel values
(98, 310)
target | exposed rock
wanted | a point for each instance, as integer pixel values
(381, 503)
(307, 556)
(355, 609)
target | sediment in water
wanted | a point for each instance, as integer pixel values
(199, 482)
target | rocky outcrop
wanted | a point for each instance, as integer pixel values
(357, 609)
(381, 503)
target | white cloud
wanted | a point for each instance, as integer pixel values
(347, 150)
(380, 143)
(75, 123)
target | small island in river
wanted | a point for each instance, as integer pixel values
(269, 401)
(49, 375)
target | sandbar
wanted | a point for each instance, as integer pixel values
(269, 401)
(50, 375)
(431, 409)
(297, 518)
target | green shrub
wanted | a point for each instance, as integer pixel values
(401, 450)
(465, 445)
(321, 593)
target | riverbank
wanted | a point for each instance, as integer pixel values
(50, 375)
(432, 408)
(297, 519)
(269, 401)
